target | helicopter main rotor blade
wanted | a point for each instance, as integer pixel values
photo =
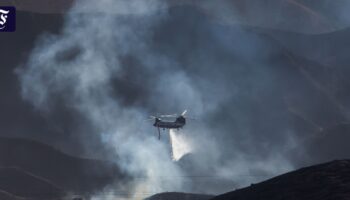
(173, 115)
(183, 113)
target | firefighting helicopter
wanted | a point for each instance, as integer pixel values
(179, 122)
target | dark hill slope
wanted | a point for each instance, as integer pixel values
(8, 196)
(68, 172)
(325, 181)
(179, 195)
(14, 181)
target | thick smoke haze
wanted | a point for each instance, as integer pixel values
(307, 16)
(79, 67)
(115, 63)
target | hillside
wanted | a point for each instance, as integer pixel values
(31, 160)
(320, 182)
(20, 183)
(178, 195)
(7, 196)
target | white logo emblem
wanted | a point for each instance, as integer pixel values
(3, 18)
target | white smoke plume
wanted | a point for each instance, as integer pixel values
(80, 66)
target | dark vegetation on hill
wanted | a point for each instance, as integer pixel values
(320, 182)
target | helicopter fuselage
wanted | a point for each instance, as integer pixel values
(178, 123)
(168, 125)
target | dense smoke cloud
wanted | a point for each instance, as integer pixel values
(117, 62)
(80, 66)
